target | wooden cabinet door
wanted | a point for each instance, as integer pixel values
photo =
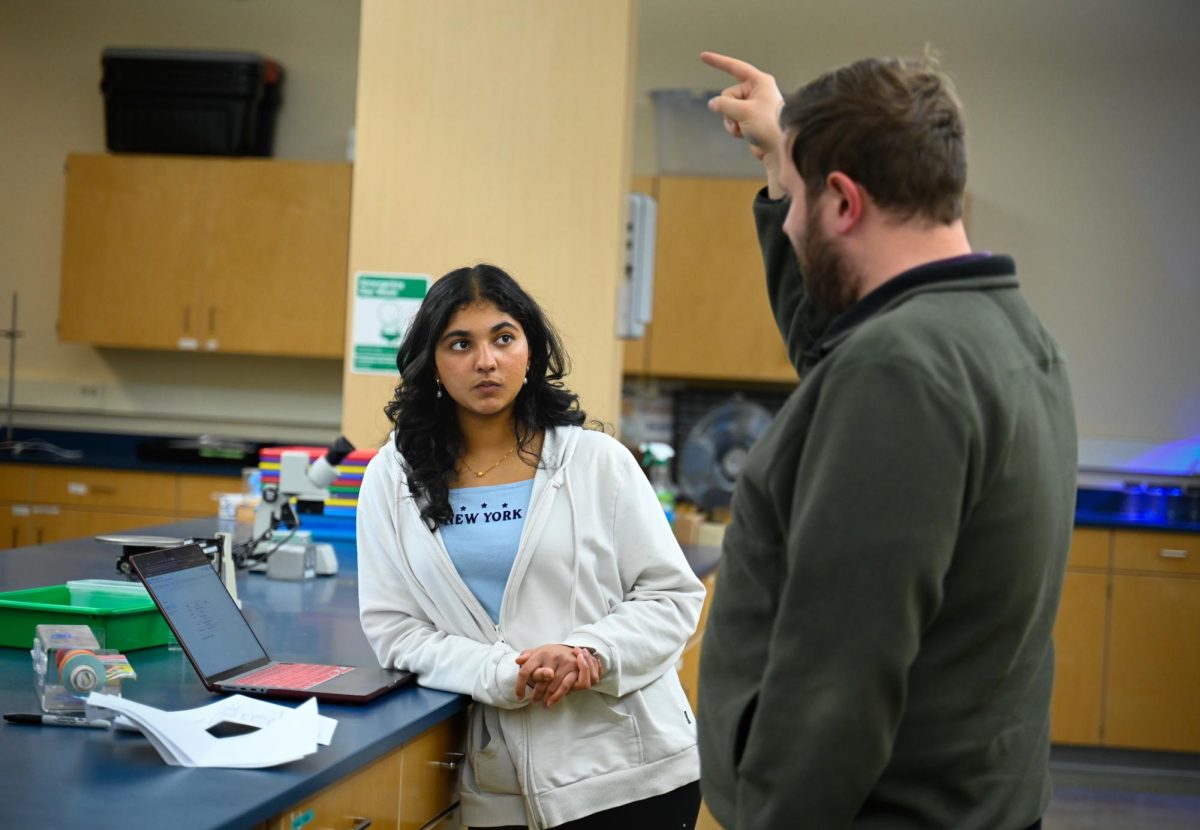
(51, 523)
(371, 794)
(1079, 639)
(1090, 548)
(689, 662)
(429, 773)
(131, 229)
(711, 315)
(408, 788)
(1154, 663)
(16, 482)
(705, 820)
(689, 671)
(1168, 553)
(235, 255)
(276, 256)
(89, 487)
(14, 526)
(199, 495)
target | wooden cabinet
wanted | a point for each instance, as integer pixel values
(1154, 644)
(413, 788)
(14, 525)
(689, 661)
(41, 504)
(16, 482)
(1154, 663)
(689, 676)
(1079, 641)
(233, 255)
(1127, 642)
(199, 496)
(100, 488)
(711, 316)
(52, 523)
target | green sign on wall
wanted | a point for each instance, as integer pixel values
(383, 306)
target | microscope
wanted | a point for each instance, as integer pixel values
(306, 483)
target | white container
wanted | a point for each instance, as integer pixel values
(95, 591)
(692, 141)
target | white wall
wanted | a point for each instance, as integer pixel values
(49, 83)
(1082, 115)
(1082, 120)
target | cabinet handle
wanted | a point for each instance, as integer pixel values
(37, 536)
(453, 761)
(187, 319)
(360, 822)
(14, 538)
(83, 488)
(1171, 553)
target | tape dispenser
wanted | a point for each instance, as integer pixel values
(69, 664)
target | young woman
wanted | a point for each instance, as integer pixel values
(507, 553)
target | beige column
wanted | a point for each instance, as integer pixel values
(497, 131)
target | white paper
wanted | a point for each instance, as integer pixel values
(284, 734)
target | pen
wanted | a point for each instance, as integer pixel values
(58, 720)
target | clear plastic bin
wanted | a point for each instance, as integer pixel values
(69, 664)
(692, 141)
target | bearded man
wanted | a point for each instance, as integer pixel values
(878, 652)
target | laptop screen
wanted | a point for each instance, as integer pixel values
(206, 620)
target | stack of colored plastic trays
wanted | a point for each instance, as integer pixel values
(343, 493)
(341, 505)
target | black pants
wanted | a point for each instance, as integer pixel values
(676, 810)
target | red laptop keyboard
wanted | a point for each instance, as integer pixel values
(298, 676)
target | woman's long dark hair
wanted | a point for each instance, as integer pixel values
(427, 432)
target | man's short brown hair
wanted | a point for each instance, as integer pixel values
(894, 126)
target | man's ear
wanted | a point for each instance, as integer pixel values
(850, 199)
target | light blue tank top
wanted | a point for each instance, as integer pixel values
(482, 539)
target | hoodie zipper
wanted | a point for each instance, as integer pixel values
(531, 800)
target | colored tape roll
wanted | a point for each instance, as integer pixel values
(80, 671)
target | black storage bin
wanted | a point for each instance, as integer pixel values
(188, 101)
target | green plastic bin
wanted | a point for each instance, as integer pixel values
(122, 616)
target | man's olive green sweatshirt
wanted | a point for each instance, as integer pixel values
(878, 652)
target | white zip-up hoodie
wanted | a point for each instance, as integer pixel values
(597, 566)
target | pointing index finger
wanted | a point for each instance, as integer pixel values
(739, 69)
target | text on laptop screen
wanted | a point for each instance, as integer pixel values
(208, 622)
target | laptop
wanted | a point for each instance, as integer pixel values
(222, 647)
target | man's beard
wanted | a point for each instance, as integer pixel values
(827, 275)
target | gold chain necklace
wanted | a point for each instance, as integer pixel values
(482, 473)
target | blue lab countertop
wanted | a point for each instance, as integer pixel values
(182, 454)
(124, 451)
(1143, 509)
(66, 778)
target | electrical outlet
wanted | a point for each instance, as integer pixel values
(65, 395)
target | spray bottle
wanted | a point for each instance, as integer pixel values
(656, 458)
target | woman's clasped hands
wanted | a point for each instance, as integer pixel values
(551, 671)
